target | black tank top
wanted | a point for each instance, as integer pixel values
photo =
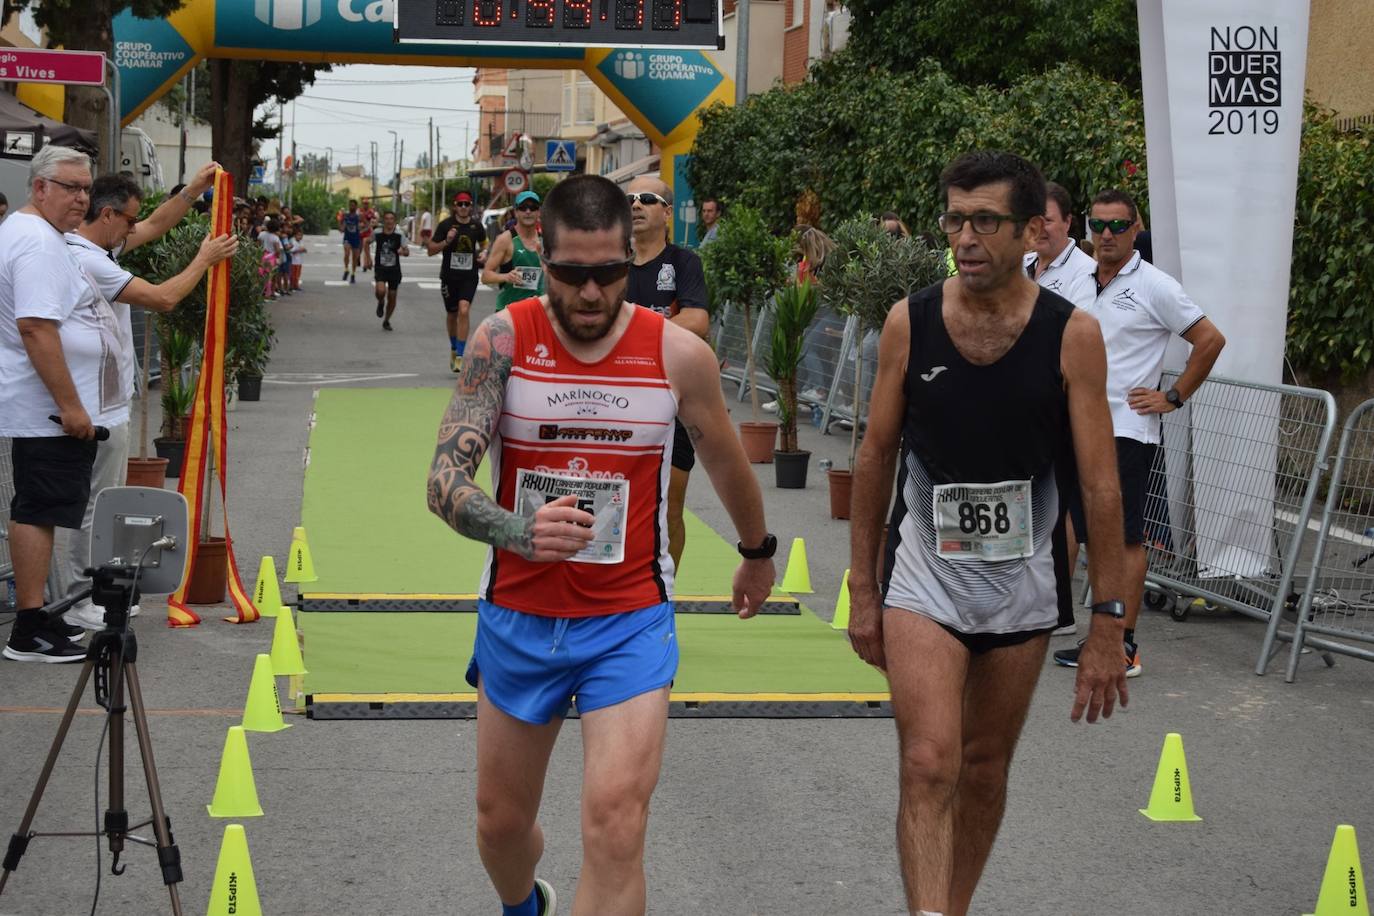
(983, 424)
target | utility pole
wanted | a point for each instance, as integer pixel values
(374, 172)
(400, 167)
(443, 169)
(181, 166)
(295, 165)
(281, 134)
(433, 206)
(741, 52)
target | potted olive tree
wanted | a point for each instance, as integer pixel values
(794, 308)
(868, 271)
(747, 265)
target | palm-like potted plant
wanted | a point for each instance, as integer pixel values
(178, 391)
(794, 308)
(869, 270)
(247, 356)
(746, 266)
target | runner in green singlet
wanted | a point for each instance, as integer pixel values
(513, 261)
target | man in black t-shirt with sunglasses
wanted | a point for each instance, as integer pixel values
(669, 280)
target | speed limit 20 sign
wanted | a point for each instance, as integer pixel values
(516, 180)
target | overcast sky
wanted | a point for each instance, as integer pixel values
(351, 106)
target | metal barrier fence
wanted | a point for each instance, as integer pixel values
(1338, 601)
(825, 378)
(1231, 495)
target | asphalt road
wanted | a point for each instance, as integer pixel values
(751, 816)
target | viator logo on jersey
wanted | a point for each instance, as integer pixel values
(541, 357)
(578, 467)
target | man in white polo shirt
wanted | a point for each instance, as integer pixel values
(1057, 263)
(112, 227)
(1139, 308)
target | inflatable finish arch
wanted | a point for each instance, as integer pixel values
(660, 90)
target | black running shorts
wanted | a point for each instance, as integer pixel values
(1133, 462)
(52, 480)
(392, 278)
(458, 287)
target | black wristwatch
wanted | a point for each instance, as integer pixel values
(763, 552)
(1174, 398)
(1115, 609)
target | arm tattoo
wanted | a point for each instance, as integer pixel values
(694, 433)
(465, 434)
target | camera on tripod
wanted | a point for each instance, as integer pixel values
(136, 539)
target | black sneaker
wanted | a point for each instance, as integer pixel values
(62, 628)
(345, 276)
(42, 645)
(379, 308)
(1068, 658)
(386, 325)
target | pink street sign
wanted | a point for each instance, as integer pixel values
(38, 65)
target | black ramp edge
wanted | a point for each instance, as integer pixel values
(352, 710)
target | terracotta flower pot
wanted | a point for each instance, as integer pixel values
(147, 472)
(841, 483)
(210, 574)
(759, 440)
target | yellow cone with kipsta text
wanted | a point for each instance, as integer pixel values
(299, 566)
(1343, 884)
(1172, 796)
(262, 712)
(267, 594)
(234, 891)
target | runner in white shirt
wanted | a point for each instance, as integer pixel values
(1057, 263)
(1140, 309)
(110, 227)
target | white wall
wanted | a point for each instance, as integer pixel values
(766, 18)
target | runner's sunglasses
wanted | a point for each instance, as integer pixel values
(646, 198)
(1117, 226)
(578, 274)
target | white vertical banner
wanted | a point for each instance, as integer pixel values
(1223, 86)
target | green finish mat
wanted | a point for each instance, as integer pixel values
(371, 533)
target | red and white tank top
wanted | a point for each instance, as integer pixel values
(603, 432)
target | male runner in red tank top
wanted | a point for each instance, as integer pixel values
(574, 394)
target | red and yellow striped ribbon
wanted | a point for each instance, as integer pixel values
(206, 427)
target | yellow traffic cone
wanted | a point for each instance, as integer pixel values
(262, 712)
(1343, 884)
(299, 566)
(286, 652)
(234, 890)
(797, 579)
(236, 795)
(841, 619)
(1172, 796)
(267, 594)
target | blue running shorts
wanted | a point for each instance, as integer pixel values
(533, 667)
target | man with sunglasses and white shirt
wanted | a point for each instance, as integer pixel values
(1139, 308)
(514, 259)
(670, 280)
(574, 395)
(112, 228)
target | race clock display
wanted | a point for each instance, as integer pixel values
(577, 23)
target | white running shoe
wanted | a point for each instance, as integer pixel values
(548, 900)
(86, 615)
(1067, 630)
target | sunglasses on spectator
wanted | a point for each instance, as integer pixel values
(527, 207)
(463, 203)
(578, 274)
(71, 188)
(984, 223)
(1117, 226)
(646, 198)
(131, 220)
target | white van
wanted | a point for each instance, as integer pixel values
(138, 159)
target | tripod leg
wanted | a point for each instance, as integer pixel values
(116, 815)
(168, 856)
(20, 840)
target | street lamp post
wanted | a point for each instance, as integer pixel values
(396, 163)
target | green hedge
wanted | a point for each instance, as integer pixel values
(868, 140)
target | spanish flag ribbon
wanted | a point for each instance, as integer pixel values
(206, 427)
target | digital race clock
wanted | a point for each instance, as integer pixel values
(582, 23)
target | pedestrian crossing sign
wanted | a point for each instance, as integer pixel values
(560, 155)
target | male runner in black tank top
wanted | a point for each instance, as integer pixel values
(990, 389)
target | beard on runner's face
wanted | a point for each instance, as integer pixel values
(585, 319)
